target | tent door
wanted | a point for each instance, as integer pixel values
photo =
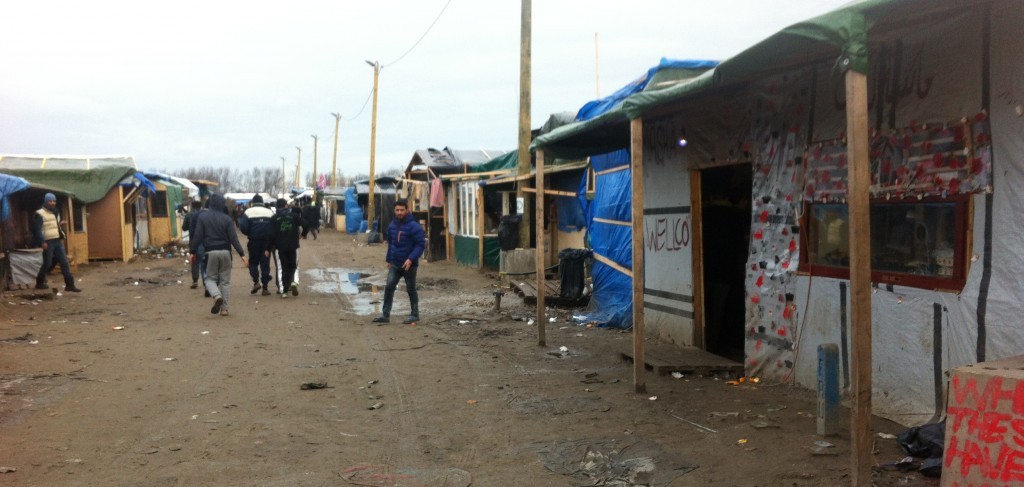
(725, 242)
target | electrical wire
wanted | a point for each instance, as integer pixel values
(431, 26)
(367, 100)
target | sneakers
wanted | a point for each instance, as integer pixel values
(284, 295)
(411, 320)
(217, 304)
(255, 288)
(381, 319)
(266, 292)
(294, 288)
(195, 284)
(73, 289)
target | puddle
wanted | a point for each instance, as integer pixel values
(351, 285)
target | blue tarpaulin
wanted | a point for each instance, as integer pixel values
(611, 304)
(597, 107)
(353, 213)
(570, 212)
(8, 186)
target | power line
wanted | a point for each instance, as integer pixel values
(367, 100)
(392, 63)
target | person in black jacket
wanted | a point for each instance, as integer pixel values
(199, 263)
(216, 232)
(284, 238)
(311, 216)
(256, 224)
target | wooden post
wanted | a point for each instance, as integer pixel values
(860, 274)
(523, 155)
(370, 203)
(480, 225)
(697, 224)
(636, 149)
(334, 160)
(316, 140)
(539, 256)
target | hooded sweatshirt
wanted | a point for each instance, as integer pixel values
(215, 229)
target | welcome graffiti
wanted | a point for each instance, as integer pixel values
(985, 432)
(667, 233)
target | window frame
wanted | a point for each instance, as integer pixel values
(961, 248)
(158, 201)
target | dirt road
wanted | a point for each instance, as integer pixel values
(181, 397)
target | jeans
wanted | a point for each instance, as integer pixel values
(55, 250)
(394, 274)
(199, 265)
(259, 263)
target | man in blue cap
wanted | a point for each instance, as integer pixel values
(47, 232)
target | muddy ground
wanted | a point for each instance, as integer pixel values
(181, 397)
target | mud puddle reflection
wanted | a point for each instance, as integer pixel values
(352, 285)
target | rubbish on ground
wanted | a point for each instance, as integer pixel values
(678, 375)
(169, 359)
(755, 380)
(601, 461)
(117, 328)
(8, 470)
(563, 349)
(652, 398)
(530, 322)
(204, 333)
(705, 428)
(376, 405)
(719, 414)
(823, 444)
(471, 402)
(551, 320)
(764, 424)
(372, 382)
(34, 342)
(886, 436)
(313, 385)
(579, 334)
(741, 441)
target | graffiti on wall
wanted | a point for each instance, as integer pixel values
(986, 430)
(667, 233)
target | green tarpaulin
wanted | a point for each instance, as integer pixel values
(89, 179)
(467, 251)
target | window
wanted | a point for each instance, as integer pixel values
(591, 182)
(467, 206)
(918, 243)
(158, 203)
(78, 217)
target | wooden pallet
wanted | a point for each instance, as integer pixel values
(527, 289)
(664, 359)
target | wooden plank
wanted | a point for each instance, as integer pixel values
(860, 275)
(539, 256)
(697, 224)
(480, 226)
(611, 263)
(552, 192)
(664, 359)
(636, 145)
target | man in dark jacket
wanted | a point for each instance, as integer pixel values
(199, 263)
(47, 232)
(284, 238)
(311, 216)
(405, 245)
(216, 232)
(256, 224)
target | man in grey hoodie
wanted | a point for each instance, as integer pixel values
(216, 232)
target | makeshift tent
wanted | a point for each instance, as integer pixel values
(353, 213)
(8, 186)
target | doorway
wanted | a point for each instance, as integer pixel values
(725, 243)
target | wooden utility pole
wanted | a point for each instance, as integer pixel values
(542, 321)
(283, 183)
(523, 161)
(636, 149)
(860, 273)
(373, 147)
(334, 160)
(298, 167)
(315, 140)
(597, 65)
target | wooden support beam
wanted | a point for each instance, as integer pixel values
(636, 146)
(611, 263)
(860, 275)
(480, 225)
(697, 224)
(539, 255)
(554, 192)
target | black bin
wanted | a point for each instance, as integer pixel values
(571, 272)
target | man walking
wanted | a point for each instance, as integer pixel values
(256, 224)
(311, 216)
(47, 232)
(216, 232)
(284, 238)
(199, 263)
(405, 245)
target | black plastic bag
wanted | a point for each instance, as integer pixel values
(570, 272)
(508, 232)
(924, 441)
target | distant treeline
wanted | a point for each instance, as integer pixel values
(262, 179)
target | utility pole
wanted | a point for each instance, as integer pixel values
(373, 146)
(315, 140)
(523, 160)
(334, 161)
(298, 167)
(283, 184)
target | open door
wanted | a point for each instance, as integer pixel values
(725, 241)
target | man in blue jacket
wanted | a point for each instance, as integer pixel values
(405, 245)
(256, 224)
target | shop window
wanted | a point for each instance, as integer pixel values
(158, 202)
(467, 206)
(917, 243)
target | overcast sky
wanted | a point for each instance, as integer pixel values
(191, 83)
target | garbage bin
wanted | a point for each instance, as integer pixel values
(570, 272)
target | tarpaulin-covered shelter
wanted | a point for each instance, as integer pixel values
(924, 97)
(432, 186)
(385, 192)
(9, 185)
(157, 213)
(101, 213)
